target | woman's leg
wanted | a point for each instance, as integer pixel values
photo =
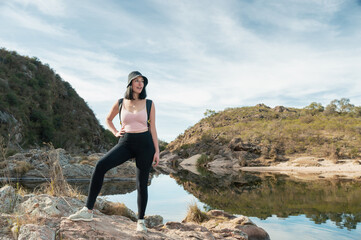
(142, 188)
(144, 159)
(116, 156)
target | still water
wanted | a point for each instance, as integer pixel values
(285, 208)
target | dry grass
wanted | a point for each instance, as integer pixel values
(88, 162)
(22, 167)
(194, 214)
(58, 186)
(118, 209)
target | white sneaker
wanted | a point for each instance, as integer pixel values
(82, 215)
(141, 226)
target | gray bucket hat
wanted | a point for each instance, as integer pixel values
(135, 74)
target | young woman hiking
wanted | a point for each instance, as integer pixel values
(137, 139)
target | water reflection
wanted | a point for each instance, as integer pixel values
(109, 187)
(263, 195)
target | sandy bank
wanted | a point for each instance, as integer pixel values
(312, 168)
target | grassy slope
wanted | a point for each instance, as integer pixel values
(46, 107)
(278, 131)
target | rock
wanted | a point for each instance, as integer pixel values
(191, 161)
(168, 162)
(5, 227)
(7, 118)
(177, 230)
(220, 213)
(59, 155)
(280, 109)
(152, 221)
(43, 161)
(106, 227)
(221, 163)
(8, 199)
(73, 171)
(168, 158)
(95, 156)
(35, 232)
(236, 144)
(52, 212)
(254, 232)
(223, 224)
(47, 206)
(262, 105)
(242, 220)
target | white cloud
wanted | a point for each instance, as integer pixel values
(22, 19)
(48, 7)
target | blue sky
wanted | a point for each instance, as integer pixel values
(197, 55)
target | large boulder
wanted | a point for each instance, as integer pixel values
(48, 206)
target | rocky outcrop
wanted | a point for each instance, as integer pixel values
(38, 164)
(45, 217)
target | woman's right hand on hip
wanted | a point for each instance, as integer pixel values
(120, 133)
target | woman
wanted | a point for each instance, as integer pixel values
(136, 140)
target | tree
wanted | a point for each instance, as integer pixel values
(209, 112)
(314, 108)
(339, 106)
(344, 105)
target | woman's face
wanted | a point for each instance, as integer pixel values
(138, 84)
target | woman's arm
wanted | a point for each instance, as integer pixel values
(153, 131)
(109, 120)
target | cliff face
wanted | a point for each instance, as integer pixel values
(37, 105)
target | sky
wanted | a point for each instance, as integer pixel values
(197, 55)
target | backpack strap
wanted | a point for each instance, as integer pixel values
(149, 106)
(120, 103)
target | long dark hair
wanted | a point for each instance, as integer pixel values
(129, 93)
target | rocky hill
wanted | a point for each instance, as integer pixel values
(260, 135)
(37, 105)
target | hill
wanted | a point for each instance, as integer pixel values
(37, 105)
(273, 134)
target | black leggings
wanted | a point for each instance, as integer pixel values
(138, 145)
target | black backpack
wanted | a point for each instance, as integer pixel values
(148, 105)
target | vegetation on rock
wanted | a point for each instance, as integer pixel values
(333, 131)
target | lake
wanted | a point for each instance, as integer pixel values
(285, 208)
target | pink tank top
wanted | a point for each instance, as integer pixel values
(134, 122)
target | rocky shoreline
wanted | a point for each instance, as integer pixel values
(300, 167)
(45, 217)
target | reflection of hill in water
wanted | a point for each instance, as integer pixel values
(262, 195)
